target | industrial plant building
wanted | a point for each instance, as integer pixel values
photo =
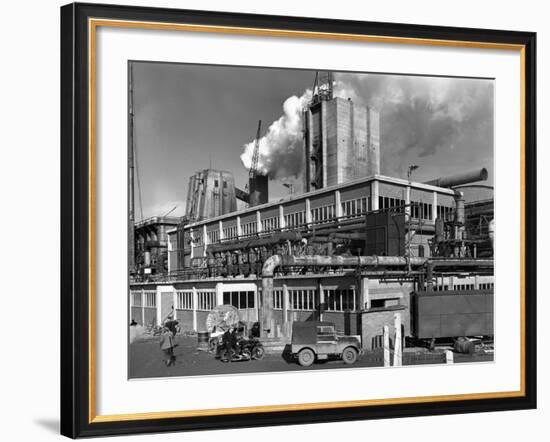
(355, 248)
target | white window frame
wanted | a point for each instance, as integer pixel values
(302, 299)
(335, 303)
(355, 207)
(213, 236)
(206, 300)
(230, 232)
(184, 299)
(278, 299)
(136, 295)
(323, 214)
(270, 224)
(150, 299)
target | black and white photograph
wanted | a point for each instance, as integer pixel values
(285, 219)
(274, 221)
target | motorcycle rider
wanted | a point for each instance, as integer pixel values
(229, 340)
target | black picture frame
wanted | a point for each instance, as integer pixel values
(76, 403)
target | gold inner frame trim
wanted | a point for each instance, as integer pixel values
(93, 24)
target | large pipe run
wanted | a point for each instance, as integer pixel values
(275, 261)
(460, 179)
(268, 270)
(348, 261)
(433, 264)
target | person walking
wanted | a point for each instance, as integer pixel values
(167, 346)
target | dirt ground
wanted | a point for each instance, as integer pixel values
(146, 360)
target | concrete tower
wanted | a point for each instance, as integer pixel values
(211, 193)
(342, 142)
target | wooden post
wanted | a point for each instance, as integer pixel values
(285, 311)
(386, 346)
(397, 350)
(195, 303)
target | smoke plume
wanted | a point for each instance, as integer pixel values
(281, 148)
(419, 117)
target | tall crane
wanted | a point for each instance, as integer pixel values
(255, 155)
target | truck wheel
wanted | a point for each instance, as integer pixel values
(306, 357)
(349, 355)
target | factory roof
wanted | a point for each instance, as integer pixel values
(155, 220)
(328, 189)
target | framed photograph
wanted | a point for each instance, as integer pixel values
(280, 220)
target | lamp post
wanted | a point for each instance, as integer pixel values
(410, 170)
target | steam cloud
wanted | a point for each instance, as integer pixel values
(280, 149)
(419, 116)
(423, 116)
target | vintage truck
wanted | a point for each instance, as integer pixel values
(317, 340)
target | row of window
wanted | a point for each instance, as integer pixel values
(184, 300)
(272, 223)
(216, 184)
(230, 232)
(241, 300)
(463, 287)
(350, 208)
(356, 207)
(197, 238)
(206, 300)
(249, 228)
(295, 219)
(140, 298)
(341, 300)
(421, 210)
(213, 236)
(445, 212)
(385, 202)
(323, 214)
(481, 286)
(336, 300)
(302, 299)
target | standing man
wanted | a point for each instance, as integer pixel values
(167, 346)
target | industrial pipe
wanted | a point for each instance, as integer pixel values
(350, 261)
(460, 216)
(270, 264)
(432, 264)
(268, 270)
(460, 179)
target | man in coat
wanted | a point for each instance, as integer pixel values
(167, 346)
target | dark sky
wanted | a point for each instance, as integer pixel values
(191, 116)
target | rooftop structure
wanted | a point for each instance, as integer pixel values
(210, 193)
(151, 243)
(342, 142)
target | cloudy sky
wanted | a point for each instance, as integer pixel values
(189, 117)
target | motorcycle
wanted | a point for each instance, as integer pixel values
(233, 349)
(253, 347)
